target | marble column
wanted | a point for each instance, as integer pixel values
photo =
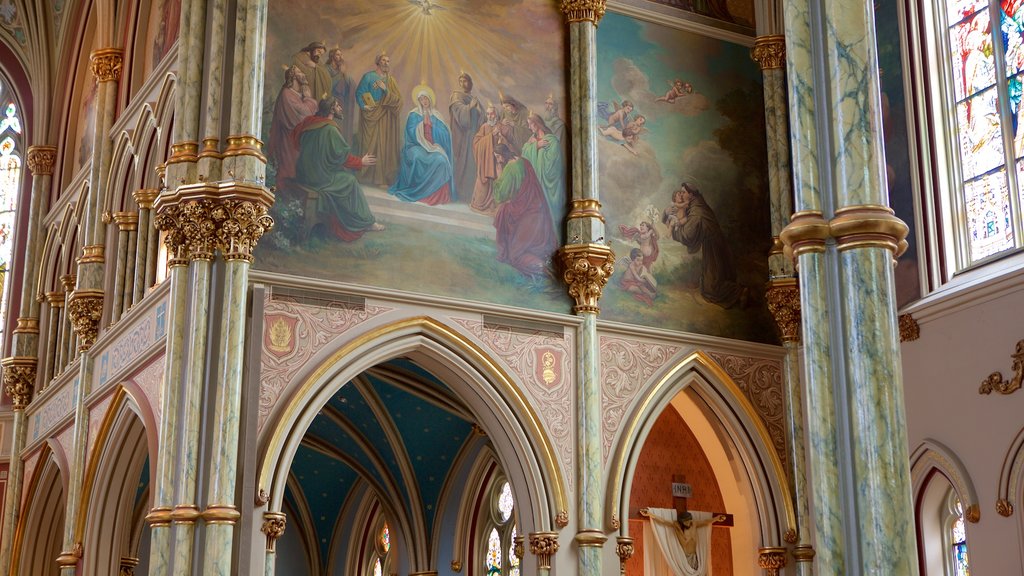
(159, 517)
(72, 548)
(55, 320)
(19, 377)
(122, 220)
(587, 262)
(182, 166)
(144, 198)
(67, 335)
(246, 221)
(845, 239)
(243, 158)
(209, 159)
(543, 545)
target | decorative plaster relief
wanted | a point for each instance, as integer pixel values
(150, 381)
(543, 362)
(761, 382)
(626, 366)
(133, 342)
(292, 334)
(56, 409)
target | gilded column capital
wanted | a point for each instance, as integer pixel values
(519, 546)
(127, 566)
(909, 329)
(995, 381)
(543, 545)
(145, 197)
(273, 526)
(587, 269)
(55, 299)
(769, 51)
(92, 254)
(624, 550)
(126, 221)
(85, 308)
(583, 10)
(203, 218)
(783, 297)
(869, 226)
(19, 379)
(67, 281)
(771, 560)
(41, 160)
(105, 64)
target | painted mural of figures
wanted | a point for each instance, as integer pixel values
(553, 120)
(614, 114)
(425, 172)
(523, 231)
(545, 154)
(167, 31)
(487, 137)
(677, 89)
(647, 237)
(637, 278)
(379, 101)
(694, 225)
(514, 116)
(343, 87)
(324, 166)
(466, 112)
(309, 61)
(629, 136)
(294, 104)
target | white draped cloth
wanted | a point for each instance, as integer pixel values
(668, 556)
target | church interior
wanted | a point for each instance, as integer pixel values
(524, 287)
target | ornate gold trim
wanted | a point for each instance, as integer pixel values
(995, 380)
(211, 148)
(869, 226)
(85, 308)
(804, 553)
(624, 550)
(69, 558)
(159, 516)
(245, 145)
(127, 566)
(583, 10)
(105, 64)
(769, 51)
(55, 299)
(145, 197)
(771, 559)
(67, 281)
(19, 378)
(587, 269)
(972, 513)
(806, 233)
(220, 514)
(27, 326)
(585, 208)
(274, 524)
(92, 254)
(544, 545)
(909, 328)
(41, 160)
(791, 536)
(777, 247)
(126, 221)
(783, 298)
(590, 538)
(1004, 507)
(185, 151)
(457, 565)
(185, 514)
(562, 518)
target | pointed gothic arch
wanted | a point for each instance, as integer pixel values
(772, 504)
(42, 514)
(490, 392)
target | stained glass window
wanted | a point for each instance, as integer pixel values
(958, 538)
(513, 558)
(385, 539)
(986, 54)
(378, 569)
(10, 185)
(493, 552)
(505, 502)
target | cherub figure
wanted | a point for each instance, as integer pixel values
(647, 237)
(636, 279)
(677, 89)
(629, 136)
(615, 114)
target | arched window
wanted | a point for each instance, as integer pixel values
(11, 154)
(380, 559)
(500, 555)
(957, 537)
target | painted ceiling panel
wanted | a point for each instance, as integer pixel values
(326, 483)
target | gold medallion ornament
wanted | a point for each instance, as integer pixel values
(562, 518)
(783, 297)
(543, 545)
(85, 308)
(105, 64)
(909, 329)
(771, 560)
(624, 550)
(19, 377)
(41, 159)
(1004, 507)
(273, 526)
(790, 536)
(995, 381)
(587, 269)
(769, 52)
(583, 10)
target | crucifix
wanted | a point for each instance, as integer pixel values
(681, 491)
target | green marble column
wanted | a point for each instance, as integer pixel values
(19, 376)
(846, 238)
(144, 198)
(244, 157)
(159, 518)
(587, 262)
(55, 307)
(120, 266)
(72, 547)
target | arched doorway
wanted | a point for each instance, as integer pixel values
(43, 515)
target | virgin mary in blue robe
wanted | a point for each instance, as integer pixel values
(425, 171)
